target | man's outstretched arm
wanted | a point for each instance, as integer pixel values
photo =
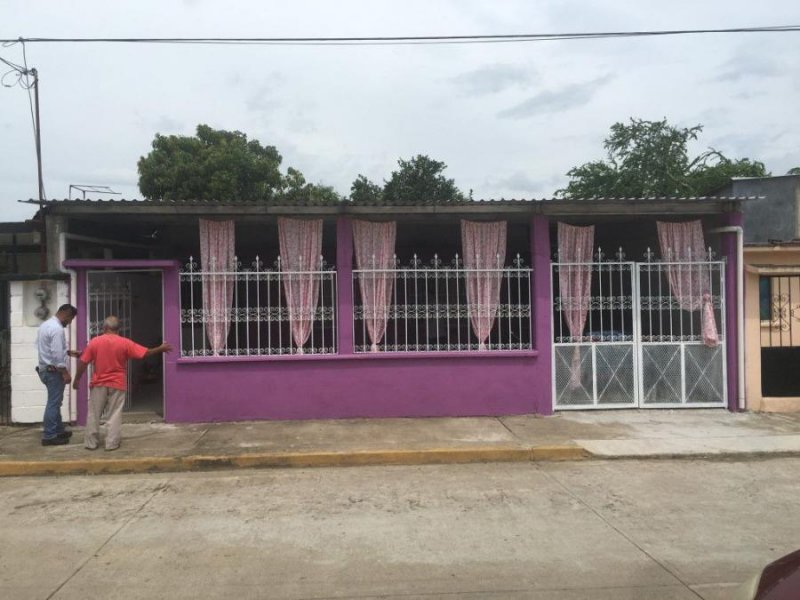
(163, 348)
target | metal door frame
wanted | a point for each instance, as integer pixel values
(128, 271)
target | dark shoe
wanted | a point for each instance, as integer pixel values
(56, 441)
(64, 434)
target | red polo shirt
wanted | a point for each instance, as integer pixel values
(110, 354)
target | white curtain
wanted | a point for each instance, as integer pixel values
(217, 254)
(575, 285)
(301, 261)
(374, 245)
(690, 284)
(484, 249)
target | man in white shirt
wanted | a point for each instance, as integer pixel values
(53, 370)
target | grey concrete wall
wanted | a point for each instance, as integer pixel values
(775, 217)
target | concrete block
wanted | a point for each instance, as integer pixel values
(21, 334)
(26, 414)
(15, 304)
(31, 398)
(23, 351)
(23, 366)
(16, 319)
(26, 383)
(15, 288)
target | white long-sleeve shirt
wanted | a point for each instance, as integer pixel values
(51, 344)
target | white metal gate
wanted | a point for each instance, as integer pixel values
(110, 294)
(639, 348)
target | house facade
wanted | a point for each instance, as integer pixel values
(459, 309)
(772, 290)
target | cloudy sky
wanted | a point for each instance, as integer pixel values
(508, 119)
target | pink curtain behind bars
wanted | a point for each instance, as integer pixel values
(690, 284)
(301, 250)
(374, 246)
(484, 247)
(575, 286)
(217, 254)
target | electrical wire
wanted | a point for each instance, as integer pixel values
(405, 40)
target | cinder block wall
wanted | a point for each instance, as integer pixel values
(28, 395)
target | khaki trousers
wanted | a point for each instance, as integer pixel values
(99, 398)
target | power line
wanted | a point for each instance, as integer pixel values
(402, 40)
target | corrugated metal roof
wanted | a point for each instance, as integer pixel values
(466, 202)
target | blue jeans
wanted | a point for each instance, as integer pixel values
(53, 425)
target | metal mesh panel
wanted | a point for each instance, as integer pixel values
(615, 380)
(583, 394)
(704, 375)
(661, 374)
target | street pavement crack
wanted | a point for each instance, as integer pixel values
(122, 526)
(620, 532)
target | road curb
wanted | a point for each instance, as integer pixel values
(161, 464)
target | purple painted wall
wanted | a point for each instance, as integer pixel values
(728, 246)
(542, 295)
(354, 387)
(348, 385)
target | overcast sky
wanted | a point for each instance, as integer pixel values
(509, 120)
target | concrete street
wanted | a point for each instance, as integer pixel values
(621, 529)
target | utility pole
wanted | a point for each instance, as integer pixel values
(38, 132)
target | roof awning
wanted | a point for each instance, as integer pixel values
(773, 269)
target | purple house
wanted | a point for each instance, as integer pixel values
(466, 308)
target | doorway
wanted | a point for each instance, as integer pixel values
(136, 298)
(642, 344)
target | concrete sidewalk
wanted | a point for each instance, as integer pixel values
(154, 447)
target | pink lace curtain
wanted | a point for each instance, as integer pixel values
(374, 247)
(484, 248)
(575, 286)
(690, 284)
(217, 254)
(301, 249)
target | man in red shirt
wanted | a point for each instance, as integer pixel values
(110, 353)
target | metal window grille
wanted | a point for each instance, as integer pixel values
(663, 320)
(259, 316)
(781, 327)
(429, 311)
(608, 317)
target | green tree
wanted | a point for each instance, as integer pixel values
(420, 180)
(364, 191)
(793, 171)
(295, 190)
(651, 158)
(211, 165)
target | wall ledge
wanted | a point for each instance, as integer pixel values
(361, 357)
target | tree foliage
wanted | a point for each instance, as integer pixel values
(418, 180)
(211, 165)
(793, 171)
(296, 190)
(364, 191)
(651, 159)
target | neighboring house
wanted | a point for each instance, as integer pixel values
(772, 290)
(26, 295)
(346, 310)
